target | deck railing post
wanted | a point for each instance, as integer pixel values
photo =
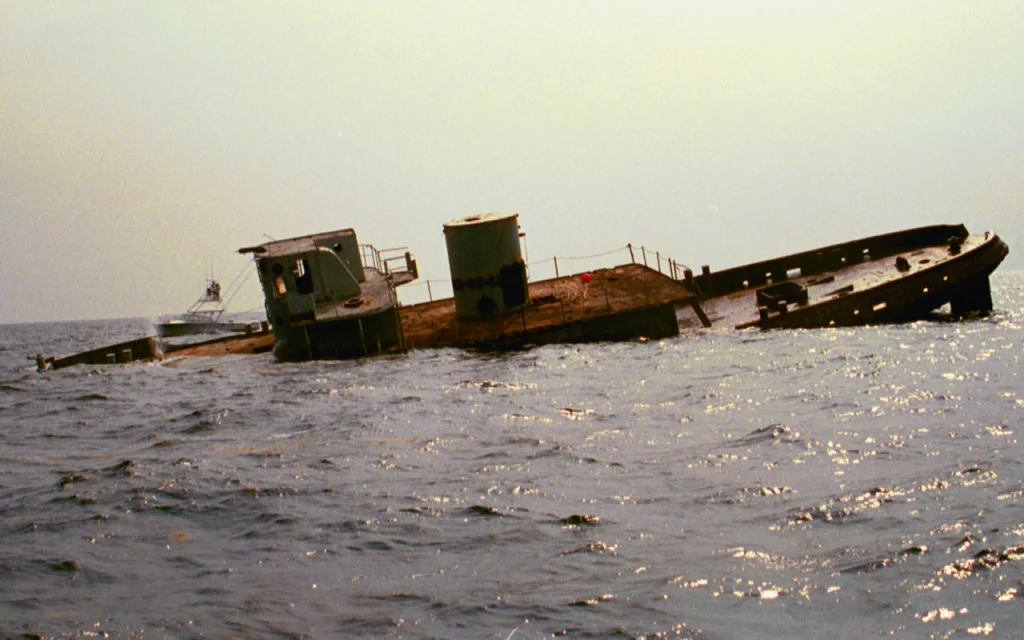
(556, 265)
(658, 254)
(644, 251)
(632, 258)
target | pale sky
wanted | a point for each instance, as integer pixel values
(142, 140)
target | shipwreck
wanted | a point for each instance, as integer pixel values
(895, 277)
(328, 296)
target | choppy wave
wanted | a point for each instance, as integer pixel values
(718, 485)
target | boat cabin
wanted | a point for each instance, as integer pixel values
(328, 296)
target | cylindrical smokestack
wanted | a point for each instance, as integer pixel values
(486, 262)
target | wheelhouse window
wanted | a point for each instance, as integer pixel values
(303, 277)
(279, 286)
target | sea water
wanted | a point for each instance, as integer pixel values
(723, 484)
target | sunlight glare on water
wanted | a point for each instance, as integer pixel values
(717, 485)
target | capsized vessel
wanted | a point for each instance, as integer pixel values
(894, 277)
(329, 297)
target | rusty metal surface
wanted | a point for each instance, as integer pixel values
(885, 286)
(259, 342)
(632, 297)
(888, 278)
(296, 245)
(557, 302)
(139, 349)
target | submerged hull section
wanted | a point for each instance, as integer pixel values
(626, 302)
(140, 349)
(344, 338)
(898, 277)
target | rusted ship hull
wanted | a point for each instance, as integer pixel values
(139, 349)
(896, 277)
(626, 302)
(621, 303)
(255, 339)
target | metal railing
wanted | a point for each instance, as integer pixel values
(385, 261)
(370, 257)
(555, 268)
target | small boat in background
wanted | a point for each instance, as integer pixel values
(204, 316)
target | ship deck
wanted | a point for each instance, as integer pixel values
(375, 296)
(555, 305)
(856, 292)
